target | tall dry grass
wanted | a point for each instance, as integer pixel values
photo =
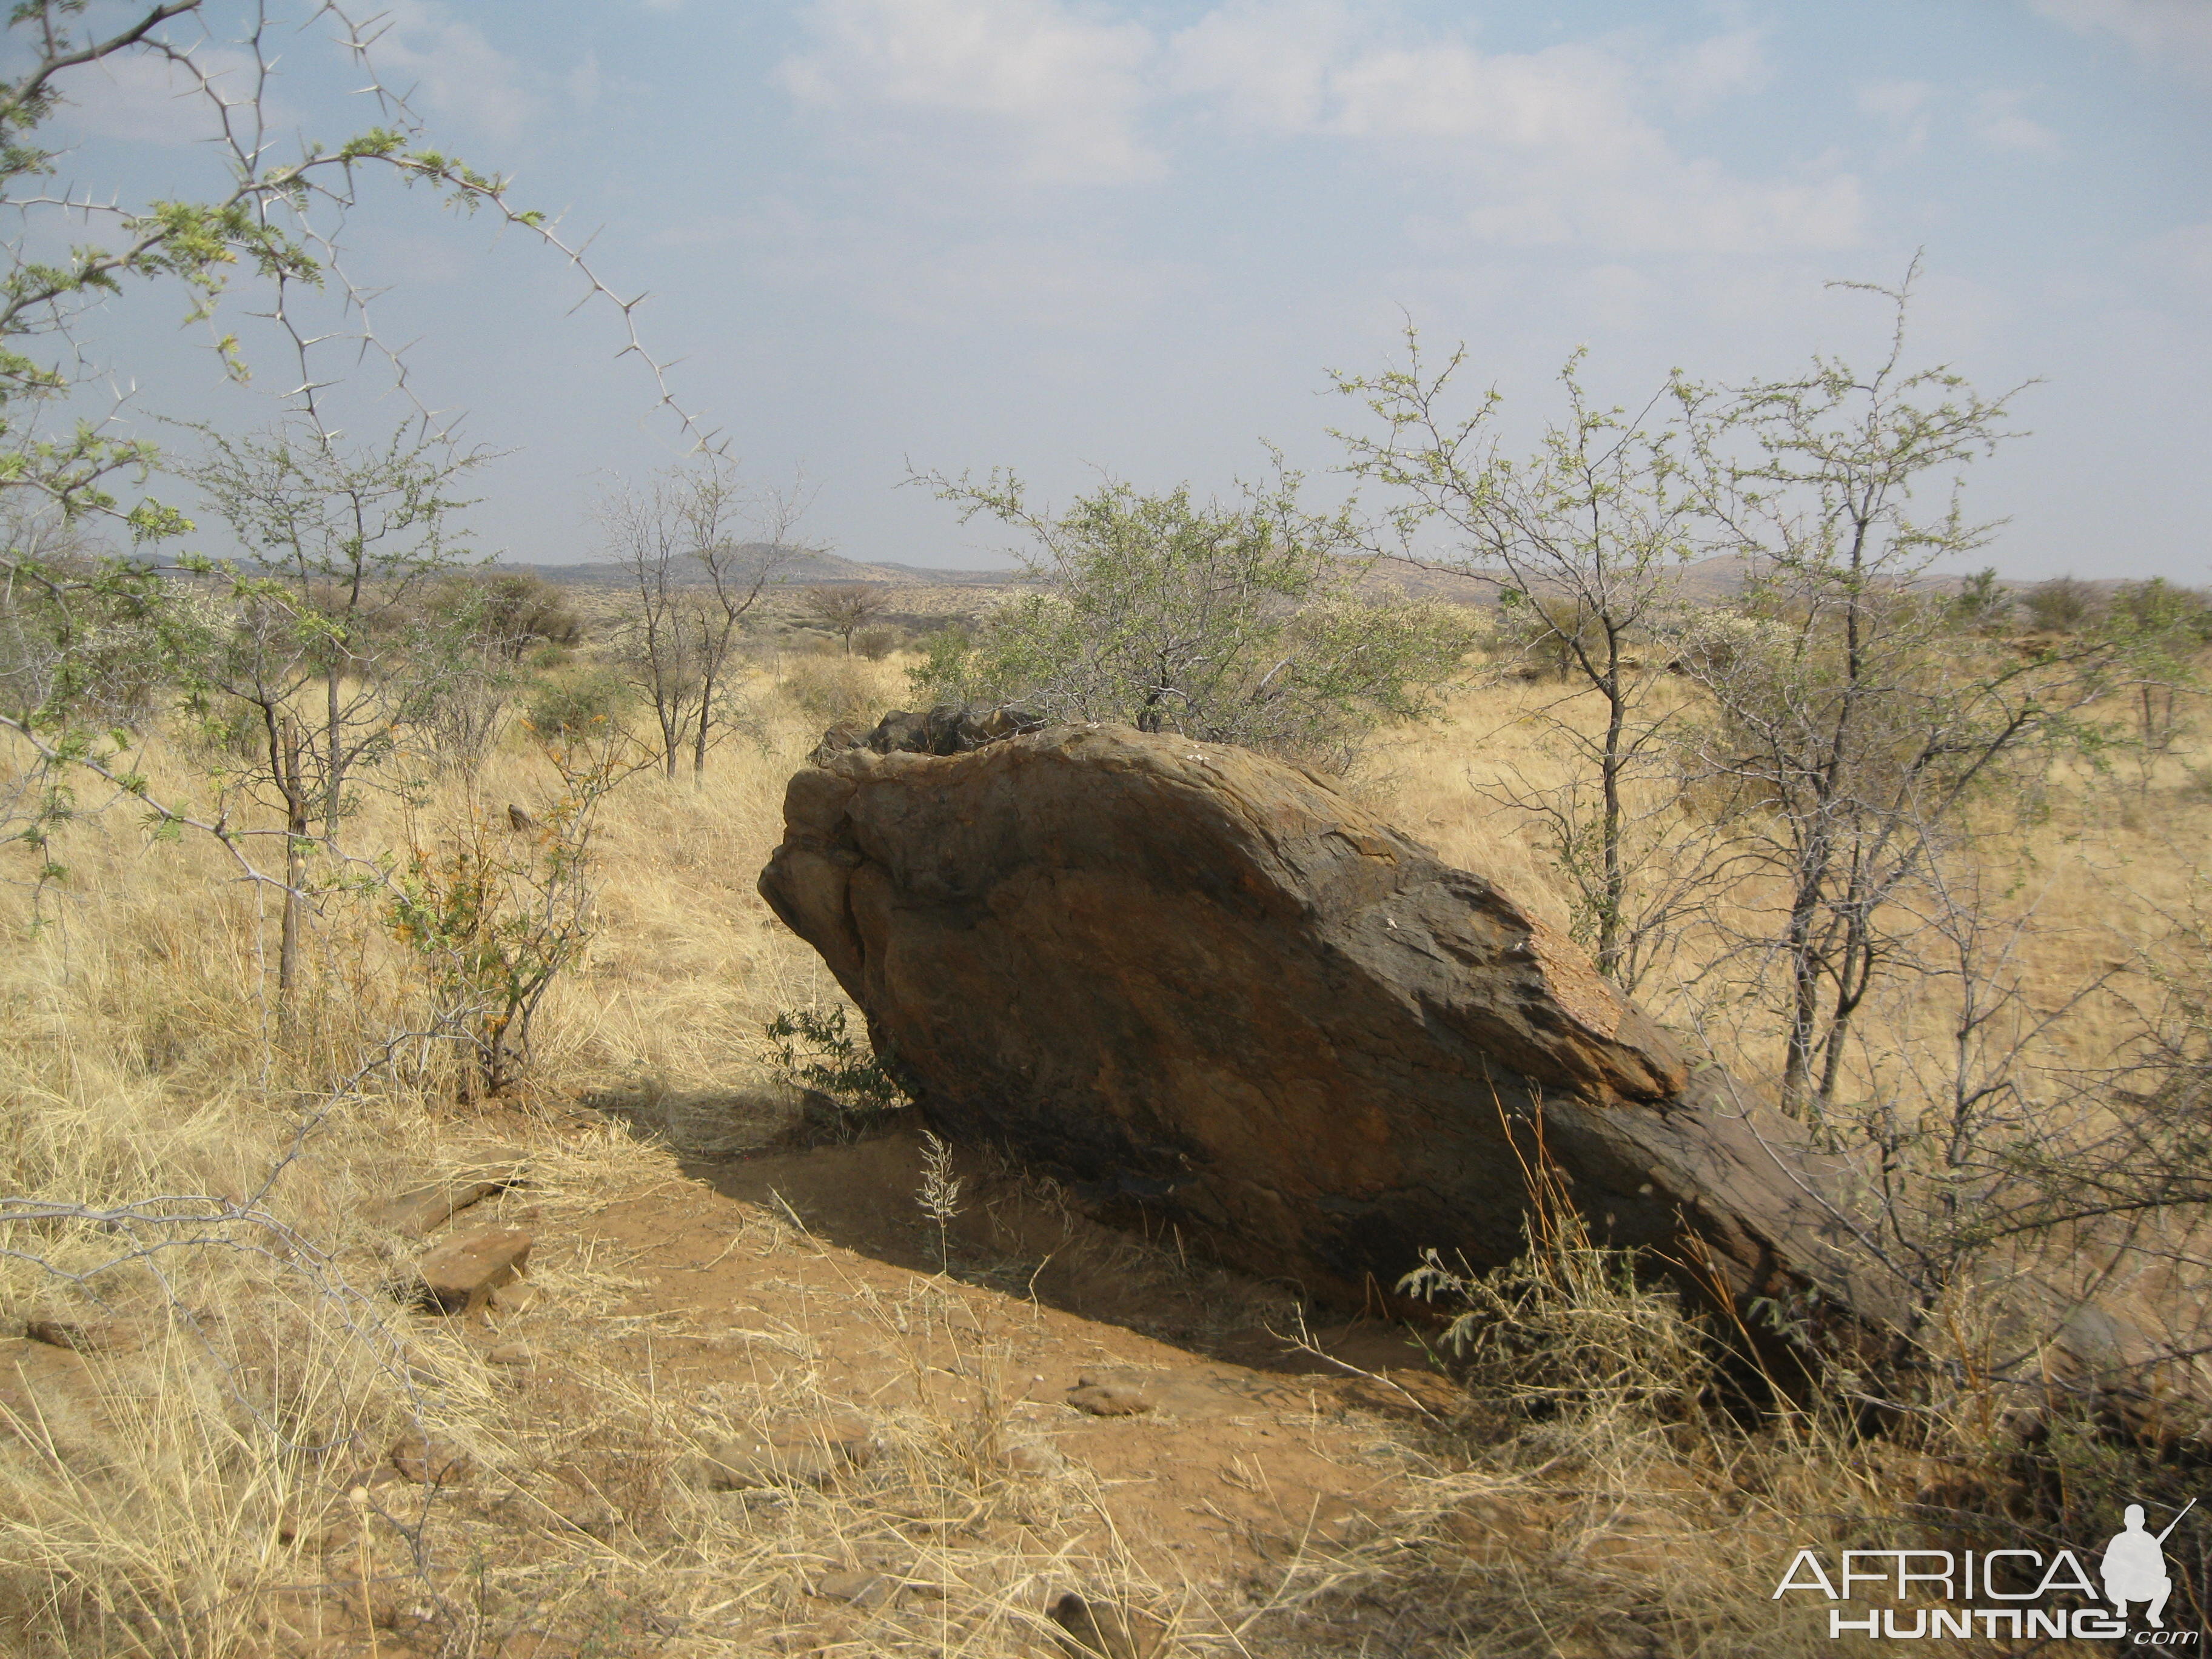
(204, 1159)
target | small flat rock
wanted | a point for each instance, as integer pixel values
(804, 1453)
(82, 1336)
(510, 1353)
(422, 1210)
(315, 1531)
(861, 1589)
(750, 1465)
(1106, 1398)
(848, 1438)
(459, 1276)
(429, 1463)
(383, 1474)
(1035, 1457)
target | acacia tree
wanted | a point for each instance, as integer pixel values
(1239, 622)
(276, 224)
(842, 608)
(508, 612)
(2159, 630)
(1583, 539)
(1853, 730)
(737, 574)
(354, 540)
(691, 583)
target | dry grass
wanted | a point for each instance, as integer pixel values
(192, 1496)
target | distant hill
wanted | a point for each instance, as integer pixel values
(804, 569)
(1712, 580)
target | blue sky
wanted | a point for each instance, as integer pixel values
(1070, 237)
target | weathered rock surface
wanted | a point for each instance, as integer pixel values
(947, 729)
(804, 1454)
(422, 1210)
(1196, 980)
(461, 1275)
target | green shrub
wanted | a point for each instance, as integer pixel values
(1240, 621)
(818, 1052)
(576, 703)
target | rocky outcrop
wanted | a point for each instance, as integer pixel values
(947, 729)
(1200, 981)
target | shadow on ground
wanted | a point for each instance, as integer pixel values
(857, 1183)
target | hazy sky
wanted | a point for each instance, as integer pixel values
(1068, 237)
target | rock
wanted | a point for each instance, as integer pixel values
(430, 1462)
(947, 729)
(1109, 1399)
(81, 1336)
(510, 1353)
(459, 1276)
(802, 1454)
(314, 1521)
(1198, 983)
(860, 1588)
(422, 1210)
(1035, 1457)
(745, 1466)
(1103, 1630)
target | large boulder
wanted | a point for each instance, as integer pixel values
(1195, 980)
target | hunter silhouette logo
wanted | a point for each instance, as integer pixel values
(2016, 1594)
(2135, 1566)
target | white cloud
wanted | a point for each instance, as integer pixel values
(585, 82)
(455, 72)
(1555, 144)
(1999, 125)
(2180, 260)
(1716, 69)
(1904, 107)
(146, 100)
(2175, 35)
(1057, 94)
(1267, 65)
(1076, 284)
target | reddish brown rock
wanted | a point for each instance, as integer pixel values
(95, 1336)
(422, 1210)
(1109, 1399)
(809, 1452)
(430, 1462)
(459, 1276)
(1195, 980)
